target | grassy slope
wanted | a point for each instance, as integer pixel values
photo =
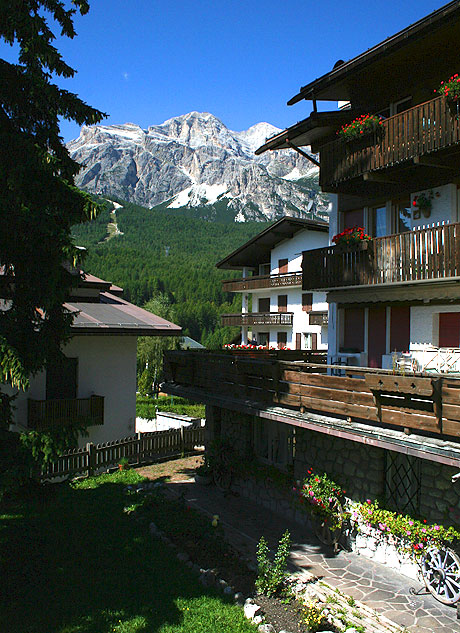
(73, 562)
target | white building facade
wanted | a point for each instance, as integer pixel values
(276, 312)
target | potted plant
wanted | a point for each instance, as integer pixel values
(123, 463)
(451, 90)
(325, 501)
(422, 203)
(352, 237)
(203, 474)
(363, 131)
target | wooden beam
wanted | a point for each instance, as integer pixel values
(302, 153)
(424, 161)
(372, 177)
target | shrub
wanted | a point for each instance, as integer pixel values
(272, 576)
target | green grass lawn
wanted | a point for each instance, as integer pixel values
(146, 407)
(73, 562)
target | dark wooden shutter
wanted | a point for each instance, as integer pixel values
(314, 340)
(282, 339)
(282, 265)
(377, 336)
(353, 218)
(298, 340)
(353, 329)
(264, 305)
(282, 303)
(449, 329)
(400, 329)
(307, 301)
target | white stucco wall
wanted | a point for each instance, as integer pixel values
(292, 248)
(106, 367)
(443, 206)
(424, 325)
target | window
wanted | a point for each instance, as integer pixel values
(307, 301)
(281, 339)
(282, 266)
(282, 303)
(264, 269)
(378, 221)
(263, 338)
(274, 442)
(310, 340)
(264, 305)
(402, 482)
(61, 379)
(402, 216)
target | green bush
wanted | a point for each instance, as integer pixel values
(272, 575)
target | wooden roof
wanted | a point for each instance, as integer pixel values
(257, 250)
(421, 51)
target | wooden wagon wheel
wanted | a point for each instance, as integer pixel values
(441, 573)
(321, 527)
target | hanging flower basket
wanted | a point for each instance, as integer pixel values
(363, 132)
(422, 204)
(350, 240)
(450, 89)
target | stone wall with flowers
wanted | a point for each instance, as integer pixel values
(358, 468)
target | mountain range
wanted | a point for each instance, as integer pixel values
(195, 162)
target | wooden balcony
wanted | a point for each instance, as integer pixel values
(318, 318)
(417, 256)
(425, 129)
(43, 414)
(264, 281)
(257, 318)
(428, 403)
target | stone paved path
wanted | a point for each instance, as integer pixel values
(373, 584)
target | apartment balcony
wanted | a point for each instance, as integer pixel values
(264, 281)
(361, 401)
(43, 414)
(257, 318)
(414, 140)
(417, 256)
(318, 317)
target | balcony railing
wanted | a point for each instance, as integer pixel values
(264, 281)
(318, 318)
(423, 403)
(258, 318)
(43, 414)
(420, 255)
(426, 128)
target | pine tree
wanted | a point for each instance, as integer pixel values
(38, 200)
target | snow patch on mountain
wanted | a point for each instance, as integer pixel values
(194, 160)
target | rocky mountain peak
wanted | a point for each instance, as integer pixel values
(194, 160)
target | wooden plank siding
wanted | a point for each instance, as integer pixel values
(420, 403)
(421, 130)
(262, 281)
(419, 255)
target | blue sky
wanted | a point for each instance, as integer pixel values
(144, 61)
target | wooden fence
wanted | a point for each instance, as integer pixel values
(137, 449)
(421, 403)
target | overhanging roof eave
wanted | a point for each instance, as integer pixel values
(418, 29)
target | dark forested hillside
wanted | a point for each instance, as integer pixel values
(170, 253)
